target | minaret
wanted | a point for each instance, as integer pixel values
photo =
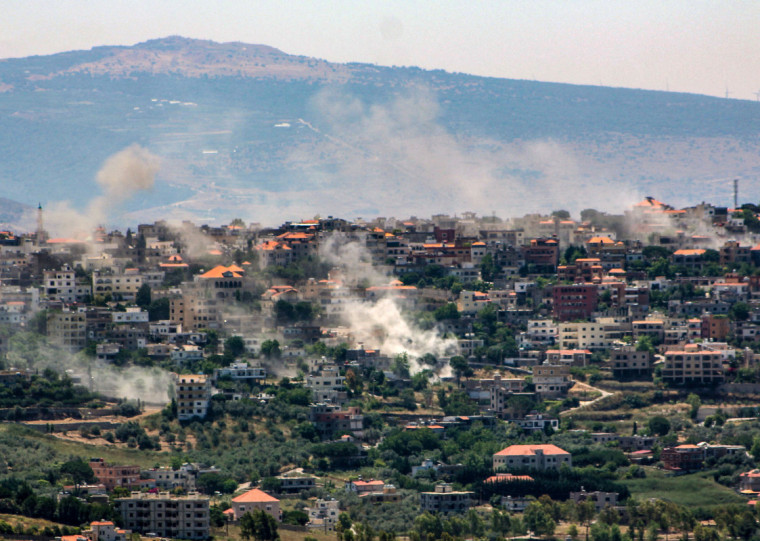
(40, 229)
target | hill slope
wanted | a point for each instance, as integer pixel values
(247, 130)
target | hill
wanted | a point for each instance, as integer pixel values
(250, 131)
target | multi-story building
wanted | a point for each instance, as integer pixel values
(627, 362)
(166, 515)
(105, 530)
(329, 418)
(534, 457)
(693, 366)
(551, 380)
(682, 458)
(583, 335)
(324, 515)
(119, 284)
(192, 394)
(600, 499)
(241, 371)
(577, 301)
(256, 499)
(68, 329)
(445, 500)
(112, 476)
(63, 286)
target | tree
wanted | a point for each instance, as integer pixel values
(447, 311)
(270, 349)
(400, 366)
(260, 525)
(143, 296)
(539, 520)
(739, 311)
(694, 403)
(461, 367)
(659, 426)
(234, 346)
(80, 471)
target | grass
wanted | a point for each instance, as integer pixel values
(113, 455)
(285, 535)
(693, 490)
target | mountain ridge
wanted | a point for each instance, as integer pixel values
(252, 131)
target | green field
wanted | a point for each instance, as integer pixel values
(694, 490)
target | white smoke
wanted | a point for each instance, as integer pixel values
(122, 175)
(381, 325)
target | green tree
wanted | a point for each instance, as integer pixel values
(143, 296)
(260, 525)
(234, 347)
(270, 349)
(694, 404)
(659, 426)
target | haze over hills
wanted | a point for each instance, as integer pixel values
(249, 131)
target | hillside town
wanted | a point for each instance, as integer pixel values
(451, 377)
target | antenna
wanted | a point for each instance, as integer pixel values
(757, 95)
(727, 93)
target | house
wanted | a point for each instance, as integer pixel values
(533, 457)
(749, 482)
(365, 487)
(255, 499)
(112, 476)
(537, 421)
(105, 530)
(323, 515)
(600, 499)
(627, 363)
(682, 458)
(445, 500)
(293, 483)
(693, 366)
(570, 357)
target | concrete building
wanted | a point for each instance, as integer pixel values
(600, 499)
(445, 500)
(256, 499)
(692, 366)
(583, 335)
(551, 380)
(192, 394)
(577, 301)
(166, 515)
(534, 457)
(627, 363)
(112, 476)
(68, 329)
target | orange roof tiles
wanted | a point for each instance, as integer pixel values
(689, 251)
(254, 496)
(523, 450)
(221, 271)
(508, 477)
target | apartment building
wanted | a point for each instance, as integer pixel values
(68, 329)
(551, 380)
(693, 366)
(583, 335)
(166, 515)
(628, 363)
(192, 394)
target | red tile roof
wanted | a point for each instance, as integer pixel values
(526, 450)
(254, 496)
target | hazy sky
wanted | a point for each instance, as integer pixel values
(682, 45)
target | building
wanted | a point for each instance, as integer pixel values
(68, 329)
(192, 394)
(329, 419)
(166, 515)
(445, 500)
(112, 476)
(570, 357)
(577, 301)
(628, 363)
(600, 499)
(532, 457)
(63, 286)
(537, 421)
(256, 499)
(241, 371)
(682, 458)
(551, 380)
(583, 335)
(295, 483)
(323, 515)
(693, 366)
(105, 530)
(749, 482)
